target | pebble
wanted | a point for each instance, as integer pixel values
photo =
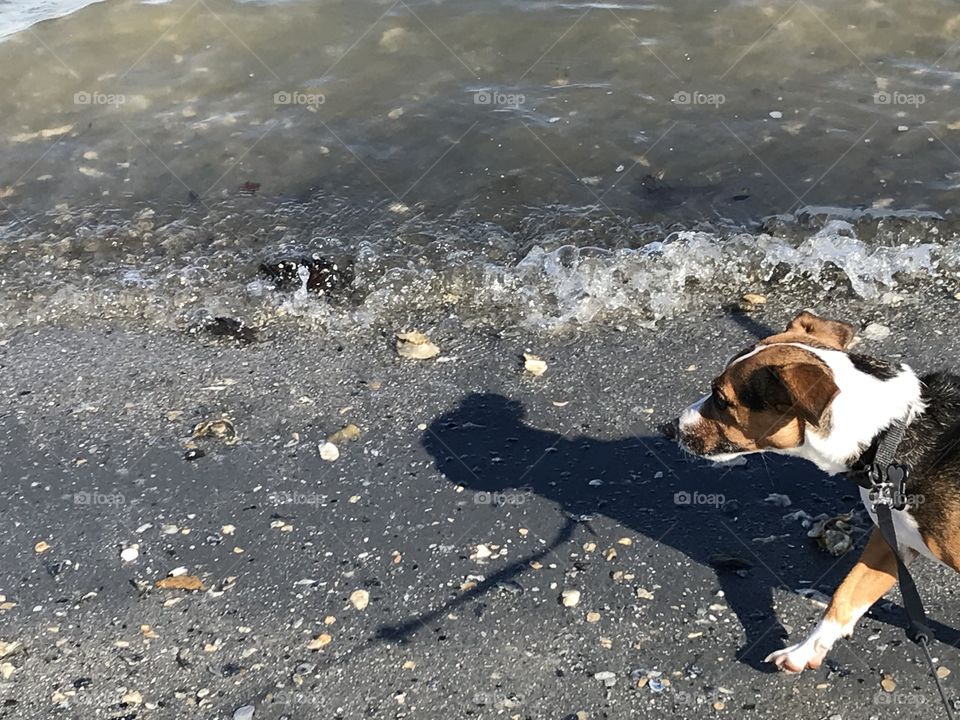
(228, 529)
(644, 594)
(593, 617)
(609, 679)
(130, 554)
(360, 599)
(132, 697)
(570, 598)
(888, 683)
(875, 331)
(943, 672)
(321, 641)
(329, 451)
(776, 114)
(243, 713)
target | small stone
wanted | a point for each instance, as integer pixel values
(608, 678)
(888, 683)
(523, 532)
(244, 713)
(570, 598)
(228, 529)
(360, 599)
(644, 594)
(902, 128)
(719, 705)
(534, 365)
(943, 672)
(329, 620)
(409, 665)
(776, 114)
(130, 554)
(875, 331)
(7, 670)
(593, 617)
(319, 642)
(329, 451)
(754, 299)
(133, 697)
(625, 541)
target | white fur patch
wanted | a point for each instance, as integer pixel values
(864, 406)
(908, 532)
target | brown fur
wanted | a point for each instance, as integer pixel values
(762, 402)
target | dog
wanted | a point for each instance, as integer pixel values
(804, 393)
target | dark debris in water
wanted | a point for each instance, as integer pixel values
(322, 276)
(231, 328)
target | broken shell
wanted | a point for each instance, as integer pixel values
(130, 554)
(180, 582)
(888, 683)
(593, 617)
(221, 429)
(348, 433)
(534, 365)
(570, 598)
(41, 547)
(416, 346)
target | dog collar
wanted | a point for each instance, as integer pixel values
(876, 471)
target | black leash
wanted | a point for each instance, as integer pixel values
(886, 481)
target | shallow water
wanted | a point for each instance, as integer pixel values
(533, 162)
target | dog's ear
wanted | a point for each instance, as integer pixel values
(805, 389)
(833, 333)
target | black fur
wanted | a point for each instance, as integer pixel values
(931, 447)
(880, 369)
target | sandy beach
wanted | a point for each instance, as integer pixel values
(423, 572)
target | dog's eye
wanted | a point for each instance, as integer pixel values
(719, 401)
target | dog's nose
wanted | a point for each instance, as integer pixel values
(671, 429)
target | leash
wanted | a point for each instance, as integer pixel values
(886, 482)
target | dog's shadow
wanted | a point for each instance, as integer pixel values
(644, 483)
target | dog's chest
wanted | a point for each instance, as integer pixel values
(908, 533)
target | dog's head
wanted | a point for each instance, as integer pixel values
(770, 395)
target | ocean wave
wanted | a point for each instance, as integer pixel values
(554, 268)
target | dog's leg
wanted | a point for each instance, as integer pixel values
(873, 575)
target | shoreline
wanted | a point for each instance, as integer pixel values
(548, 474)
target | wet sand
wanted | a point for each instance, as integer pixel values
(548, 474)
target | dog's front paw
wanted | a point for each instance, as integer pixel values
(797, 658)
